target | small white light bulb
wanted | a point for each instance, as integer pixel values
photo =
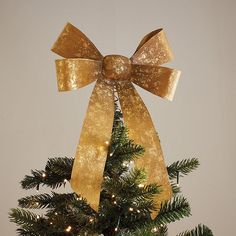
(68, 229)
(131, 209)
(141, 185)
(154, 229)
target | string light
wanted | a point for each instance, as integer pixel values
(38, 216)
(131, 209)
(141, 185)
(111, 154)
(91, 219)
(68, 229)
(115, 202)
(155, 229)
(65, 181)
(135, 203)
(44, 175)
(138, 211)
(118, 223)
(125, 164)
(107, 142)
(56, 213)
(113, 196)
(50, 223)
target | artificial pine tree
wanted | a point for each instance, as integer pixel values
(125, 203)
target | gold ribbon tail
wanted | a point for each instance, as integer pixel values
(142, 131)
(91, 154)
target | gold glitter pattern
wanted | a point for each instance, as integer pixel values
(91, 154)
(142, 131)
(154, 49)
(76, 73)
(85, 64)
(116, 67)
(72, 43)
(158, 80)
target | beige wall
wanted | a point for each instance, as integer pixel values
(36, 122)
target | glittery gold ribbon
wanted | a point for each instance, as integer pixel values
(85, 64)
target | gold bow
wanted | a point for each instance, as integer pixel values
(85, 64)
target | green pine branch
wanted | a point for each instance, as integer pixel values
(22, 217)
(121, 153)
(56, 172)
(175, 188)
(173, 210)
(35, 225)
(35, 201)
(183, 167)
(119, 135)
(200, 230)
(46, 200)
(130, 186)
(61, 166)
(56, 201)
(126, 199)
(147, 230)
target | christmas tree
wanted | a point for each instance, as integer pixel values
(125, 203)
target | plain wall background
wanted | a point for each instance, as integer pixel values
(38, 122)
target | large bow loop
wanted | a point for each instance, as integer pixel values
(72, 43)
(85, 64)
(161, 81)
(75, 73)
(153, 49)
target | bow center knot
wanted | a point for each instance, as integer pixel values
(116, 67)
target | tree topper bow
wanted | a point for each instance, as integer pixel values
(85, 64)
